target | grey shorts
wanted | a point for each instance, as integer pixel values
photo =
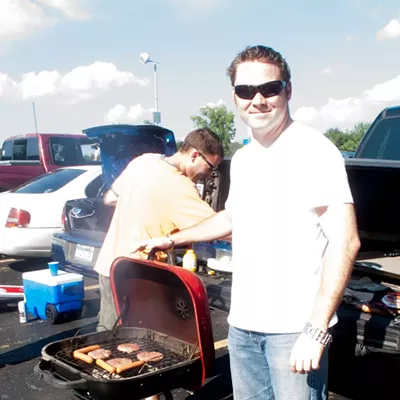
(107, 314)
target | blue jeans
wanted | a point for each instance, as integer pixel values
(260, 367)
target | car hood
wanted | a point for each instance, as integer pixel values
(119, 144)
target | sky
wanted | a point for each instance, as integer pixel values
(78, 60)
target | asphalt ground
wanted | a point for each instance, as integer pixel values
(21, 345)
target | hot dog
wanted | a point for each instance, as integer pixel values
(83, 357)
(131, 365)
(89, 348)
(109, 368)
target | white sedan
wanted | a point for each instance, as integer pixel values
(31, 213)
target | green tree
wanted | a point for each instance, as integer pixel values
(356, 134)
(348, 140)
(336, 136)
(219, 120)
(148, 122)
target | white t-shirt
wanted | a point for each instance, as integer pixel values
(278, 244)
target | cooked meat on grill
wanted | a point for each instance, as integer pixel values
(119, 362)
(128, 347)
(150, 356)
(100, 354)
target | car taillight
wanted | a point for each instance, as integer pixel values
(64, 222)
(18, 218)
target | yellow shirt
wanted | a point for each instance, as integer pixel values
(154, 199)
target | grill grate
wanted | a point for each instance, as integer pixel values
(170, 359)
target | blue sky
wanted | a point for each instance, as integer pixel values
(78, 60)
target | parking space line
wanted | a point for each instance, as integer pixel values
(2, 269)
(221, 344)
(91, 287)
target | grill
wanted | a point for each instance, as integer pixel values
(147, 340)
(161, 308)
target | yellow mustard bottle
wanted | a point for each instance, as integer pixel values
(190, 260)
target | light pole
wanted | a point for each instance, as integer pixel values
(144, 59)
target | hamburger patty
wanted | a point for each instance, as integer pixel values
(100, 354)
(150, 356)
(128, 347)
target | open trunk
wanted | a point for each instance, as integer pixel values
(89, 217)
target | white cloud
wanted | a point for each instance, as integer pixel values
(213, 105)
(71, 8)
(336, 113)
(390, 31)
(120, 113)
(385, 92)
(306, 114)
(7, 85)
(344, 113)
(21, 17)
(99, 75)
(327, 71)
(37, 85)
(79, 84)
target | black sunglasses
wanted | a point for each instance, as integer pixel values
(213, 167)
(268, 89)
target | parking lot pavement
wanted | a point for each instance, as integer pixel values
(21, 344)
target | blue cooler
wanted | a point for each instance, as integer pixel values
(48, 296)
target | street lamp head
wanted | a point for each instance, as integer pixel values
(144, 58)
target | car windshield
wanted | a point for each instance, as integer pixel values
(384, 141)
(50, 182)
(75, 151)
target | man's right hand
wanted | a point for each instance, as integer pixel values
(148, 245)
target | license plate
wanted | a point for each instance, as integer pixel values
(84, 253)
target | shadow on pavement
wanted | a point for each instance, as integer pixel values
(28, 265)
(8, 305)
(33, 350)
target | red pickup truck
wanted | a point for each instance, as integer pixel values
(27, 156)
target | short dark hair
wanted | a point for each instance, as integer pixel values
(205, 141)
(261, 54)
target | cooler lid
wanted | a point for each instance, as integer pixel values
(44, 277)
(163, 298)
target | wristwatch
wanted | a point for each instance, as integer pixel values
(171, 241)
(323, 337)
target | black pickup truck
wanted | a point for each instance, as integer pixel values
(373, 176)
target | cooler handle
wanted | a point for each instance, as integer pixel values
(41, 369)
(70, 288)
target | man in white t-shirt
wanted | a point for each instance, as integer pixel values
(294, 239)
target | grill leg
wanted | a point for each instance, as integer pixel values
(168, 395)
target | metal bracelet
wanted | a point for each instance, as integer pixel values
(317, 334)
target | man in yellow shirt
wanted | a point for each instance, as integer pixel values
(155, 195)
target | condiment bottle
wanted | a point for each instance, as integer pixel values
(190, 260)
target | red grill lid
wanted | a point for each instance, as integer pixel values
(164, 298)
